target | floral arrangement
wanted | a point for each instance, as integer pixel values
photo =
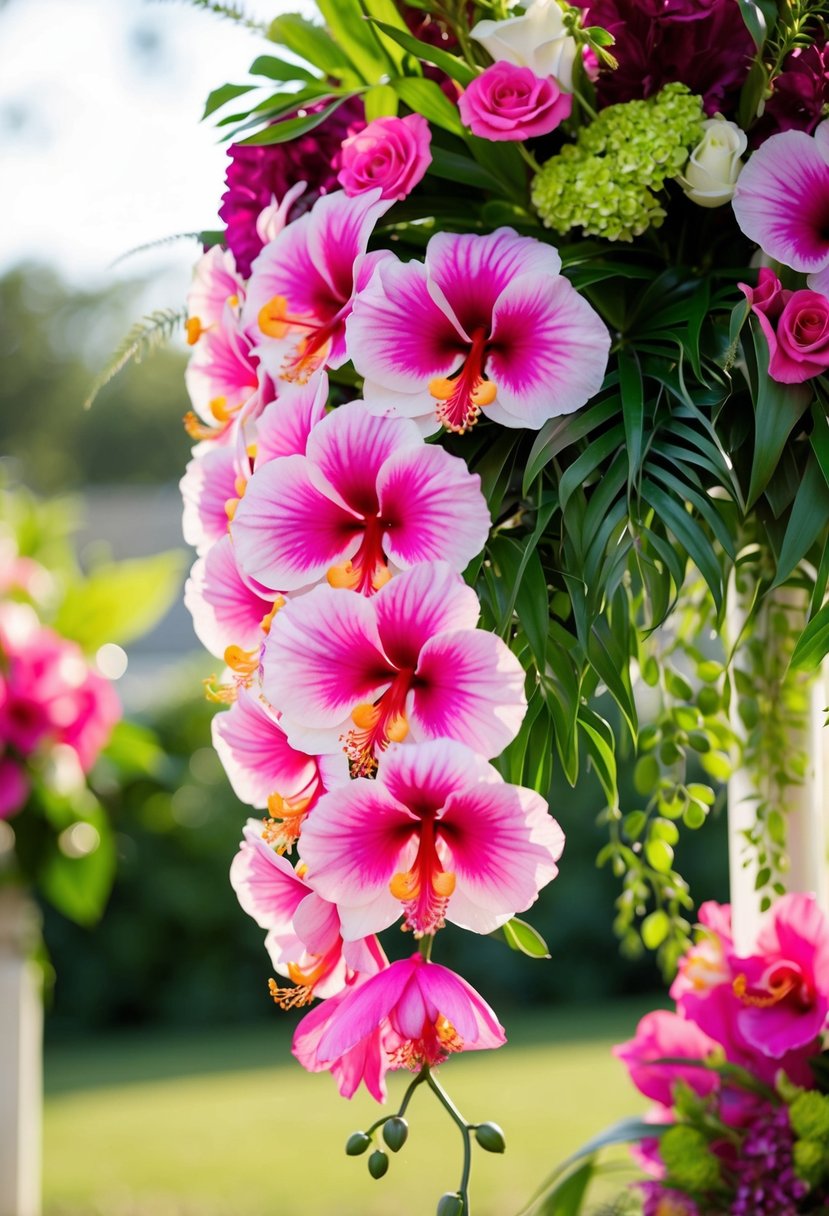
(739, 1124)
(492, 403)
(60, 635)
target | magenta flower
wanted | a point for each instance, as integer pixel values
(258, 174)
(226, 611)
(368, 493)
(784, 987)
(303, 938)
(438, 832)
(781, 201)
(222, 377)
(705, 964)
(354, 673)
(14, 787)
(210, 481)
(663, 1035)
(487, 322)
(507, 102)
(303, 283)
(367, 1062)
(283, 427)
(795, 325)
(392, 153)
(265, 771)
(799, 93)
(430, 1009)
(216, 283)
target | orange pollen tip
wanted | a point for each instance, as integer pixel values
(443, 884)
(405, 886)
(267, 620)
(250, 451)
(244, 662)
(199, 430)
(343, 575)
(485, 393)
(218, 694)
(778, 991)
(289, 998)
(230, 507)
(441, 389)
(220, 409)
(233, 301)
(447, 1034)
(365, 715)
(272, 318)
(240, 485)
(194, 329)
(380, 577)
(302, 869)
(397, 730)
(276, 805)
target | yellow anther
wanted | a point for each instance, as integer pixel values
(397, 730)
(194, 329)
(485, 393)
(230, 507)
(364, 715)
(240, 485)
(267, 621)
(443, 884)
(219, 409)
(343, 575)
(405, 886)
(271, 318)
(441, 389)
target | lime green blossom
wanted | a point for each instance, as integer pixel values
(810, 1161)
(688, 1159)
(809, 1116)
(605, 183)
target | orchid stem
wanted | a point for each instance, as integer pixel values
(425, 946)
(422, 1076)
(465, 1128)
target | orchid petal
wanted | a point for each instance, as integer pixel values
(208, 482)
(225, 611)
(350, 447)
(285, 424)
(419, 603)
(256, 755)
(465, 1008)
(428, 773)
(363, 1010)
(266, 885)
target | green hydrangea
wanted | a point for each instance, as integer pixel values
(809, 1116)
(688, 1159)
(810, 1161)
(605, 183)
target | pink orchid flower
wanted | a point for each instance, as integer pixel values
(216, 283)
(781, 201)
(485, 323)
(354, 673)
(705, 964)
(14, 786)
(210, 481)
(661, 1036)
(367, 1062)
(431, 1010)
(222, 377)
(784, 987)
(369, 493)
(438, 832)
(226, 612)
(265, 771)
(303, 939)
(302, 284)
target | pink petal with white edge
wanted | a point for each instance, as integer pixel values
(323, 656)
(439, 766)
(365, 955)
(549, 350)
(286, 531)
(474, 1020)
(502, 847)
(419, 603)
(819, 281)
(266, 886)
(285, 424)
(209, 481)
(470, 687)
(419, 406)
(257, 757)
(397, 335)
(225, 611)
(357, 839)
(433, 508)
(223, 365)
(781, 199)
(317, 924)
(340, 235)
(472, 271)
(350, 447)
(215, 281)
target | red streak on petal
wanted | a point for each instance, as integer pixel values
(461, 398)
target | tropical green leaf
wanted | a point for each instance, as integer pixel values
(380, 101)
(813, 643)
(778, 407)
(567, 1196)
(351, 32)
(426, 98)
(454, 67)
(455, 167)
(524, 938)
(78, 882)
(632, 392)
(291, 128)
(221, 96)
(559, 433)
(809, 518)
(279, 69)
(120, 601)
(313, 44)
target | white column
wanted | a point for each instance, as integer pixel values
(806, 811)
(21, 1039)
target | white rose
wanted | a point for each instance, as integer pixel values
(715, 164)
(535, 40)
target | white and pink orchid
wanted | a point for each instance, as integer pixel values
(302, 285)
(369, 494)
(353, 673)
(439, 835)
(484, 323)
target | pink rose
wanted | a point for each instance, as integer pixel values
(392, 153)
(802, 338)
(660, 1036)
(768, 297)
(509, 102)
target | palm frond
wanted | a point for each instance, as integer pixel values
(145, 337)
(231, 12)
(148, 245)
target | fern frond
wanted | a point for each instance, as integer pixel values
(231, 12)
(148, 245)
(145, 337)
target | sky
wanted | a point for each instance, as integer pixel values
(101, 148)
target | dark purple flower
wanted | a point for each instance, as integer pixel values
(800, 93)
(702, 43)
(766, 1184)
(256, 175)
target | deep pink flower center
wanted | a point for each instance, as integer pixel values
(313, 332)
(424, 890)
(781, 982)
(367, 571)
(379, 724)
(461, 396)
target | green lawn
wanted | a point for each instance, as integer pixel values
(227, 1124)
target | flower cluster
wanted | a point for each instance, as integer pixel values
(747, 1129)
(55, 710)
(607, 183)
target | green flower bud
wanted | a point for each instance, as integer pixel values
(395, 1133)
(809, 1116)
(690, 1164)
(810, 1161)
(357, 1143)
(450, 1204)
(378, 1163)
(490, 1137)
